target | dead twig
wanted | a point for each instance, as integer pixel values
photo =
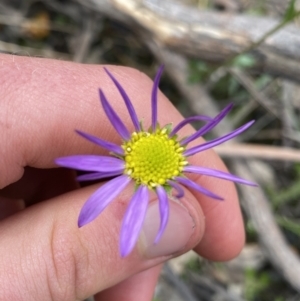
(23, 50)
(249, 151)
(207, 289)
(177, 284)
(258, 96)
(288, 116)
(85, 38)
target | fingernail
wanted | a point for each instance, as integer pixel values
(179, 229)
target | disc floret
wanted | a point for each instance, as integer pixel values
(153, 158)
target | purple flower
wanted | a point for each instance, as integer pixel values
(153, 160)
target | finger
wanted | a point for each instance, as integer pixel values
(49, 105)
(138, 287)
(49, 258)
(64, 97)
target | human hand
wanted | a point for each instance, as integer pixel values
(43, 254)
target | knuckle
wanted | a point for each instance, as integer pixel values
(65, 264)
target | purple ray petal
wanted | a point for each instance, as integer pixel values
(217, 141)
(114, 118)
(154, 97)
(164, 211)
(188, 120)
(98, 201)
(127, 101)
(193, 185)
(133, 220)
(91, 163)
(105, 144)
(97, 176)
(179, 189)
(202, 131)
(217, 174)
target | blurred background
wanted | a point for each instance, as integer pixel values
(215, 52)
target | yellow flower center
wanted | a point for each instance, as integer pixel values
(153, 158)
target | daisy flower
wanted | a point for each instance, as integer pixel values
(154, 160)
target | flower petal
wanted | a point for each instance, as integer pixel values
(193, 185)
(114, 118)
(202, 131)
(164, 211)
(105, 144)
(98, 201)
(217, 141)
(133, 220)
(154, 97)
(91, 163)
(188, 120)
(127, 101)
(97, 176)
(217, 174)
(178, 188)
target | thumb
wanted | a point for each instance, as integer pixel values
(45, 256)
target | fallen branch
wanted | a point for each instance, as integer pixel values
(207, 35)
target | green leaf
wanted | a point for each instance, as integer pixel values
(263, 81)
(289, 224)
(287, 195)
(244, 61)
(233, 86)
(198, 71)
(255, 283)
(291, 12)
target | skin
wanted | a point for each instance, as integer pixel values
(43, 254)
